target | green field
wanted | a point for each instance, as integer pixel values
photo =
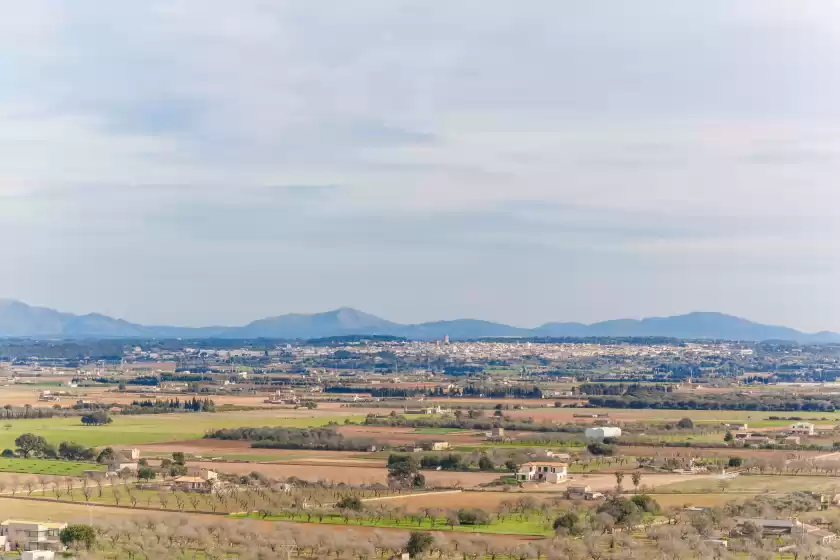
(47, 466)
(148, 428)
(532, 526)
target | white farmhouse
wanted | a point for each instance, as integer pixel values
(802, 429)
(543, 472)
(602, 432)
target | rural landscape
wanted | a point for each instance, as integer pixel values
(377, 446)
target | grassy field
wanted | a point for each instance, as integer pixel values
(532, 526)
(149, 428)
(47, 466)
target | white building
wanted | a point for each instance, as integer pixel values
(602, 432)
(551, 472)
(802, 429)
(16, 534)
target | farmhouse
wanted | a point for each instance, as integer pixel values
(802, 429)
(16, 534)
(602, 432)
(124, 459)
(543, 472)
(440, 445)
(197, 480)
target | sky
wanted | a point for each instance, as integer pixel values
(200, 162)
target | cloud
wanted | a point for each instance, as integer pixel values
(565, 138)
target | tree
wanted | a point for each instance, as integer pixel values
(637, 479)
(685, 424)
(418, 543)
(145, 473)
(78, 536)
(567, 522)
(30, 444)
(98, 418)
(619, 477)
(106, 455)
(728, 437)
(178, 458)
(485, 464)
(735, 462)
(403, 472)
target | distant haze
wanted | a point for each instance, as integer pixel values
(18, 319)
(208, 162)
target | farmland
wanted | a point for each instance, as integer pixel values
(46, 467)
(140, 429)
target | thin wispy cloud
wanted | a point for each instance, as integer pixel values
(211, 162)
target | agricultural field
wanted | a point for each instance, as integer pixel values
(753, 484)
(152, 428)
(755, 419)
(47, 467)
(347, 474)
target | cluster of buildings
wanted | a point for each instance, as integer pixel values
(790, 436)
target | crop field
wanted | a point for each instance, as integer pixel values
(47, 466)
(488, 501)
(151, 428)
(348, 474)
(752, 484)
(528, 526)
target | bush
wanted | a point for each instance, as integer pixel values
(98, 418)
(735, 462)
(601, 449)
(646, 503)
(350, 502)
(685, 424)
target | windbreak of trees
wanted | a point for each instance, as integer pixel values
(176, 405)
(472, 422)
(660, 400)
(596, 389)
(293, 438)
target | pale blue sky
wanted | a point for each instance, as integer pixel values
(207, 161)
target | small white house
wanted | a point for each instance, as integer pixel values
(602, 432)
(551, 472)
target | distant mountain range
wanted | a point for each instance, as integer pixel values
(20, 320)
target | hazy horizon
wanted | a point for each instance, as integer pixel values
(206, 162)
